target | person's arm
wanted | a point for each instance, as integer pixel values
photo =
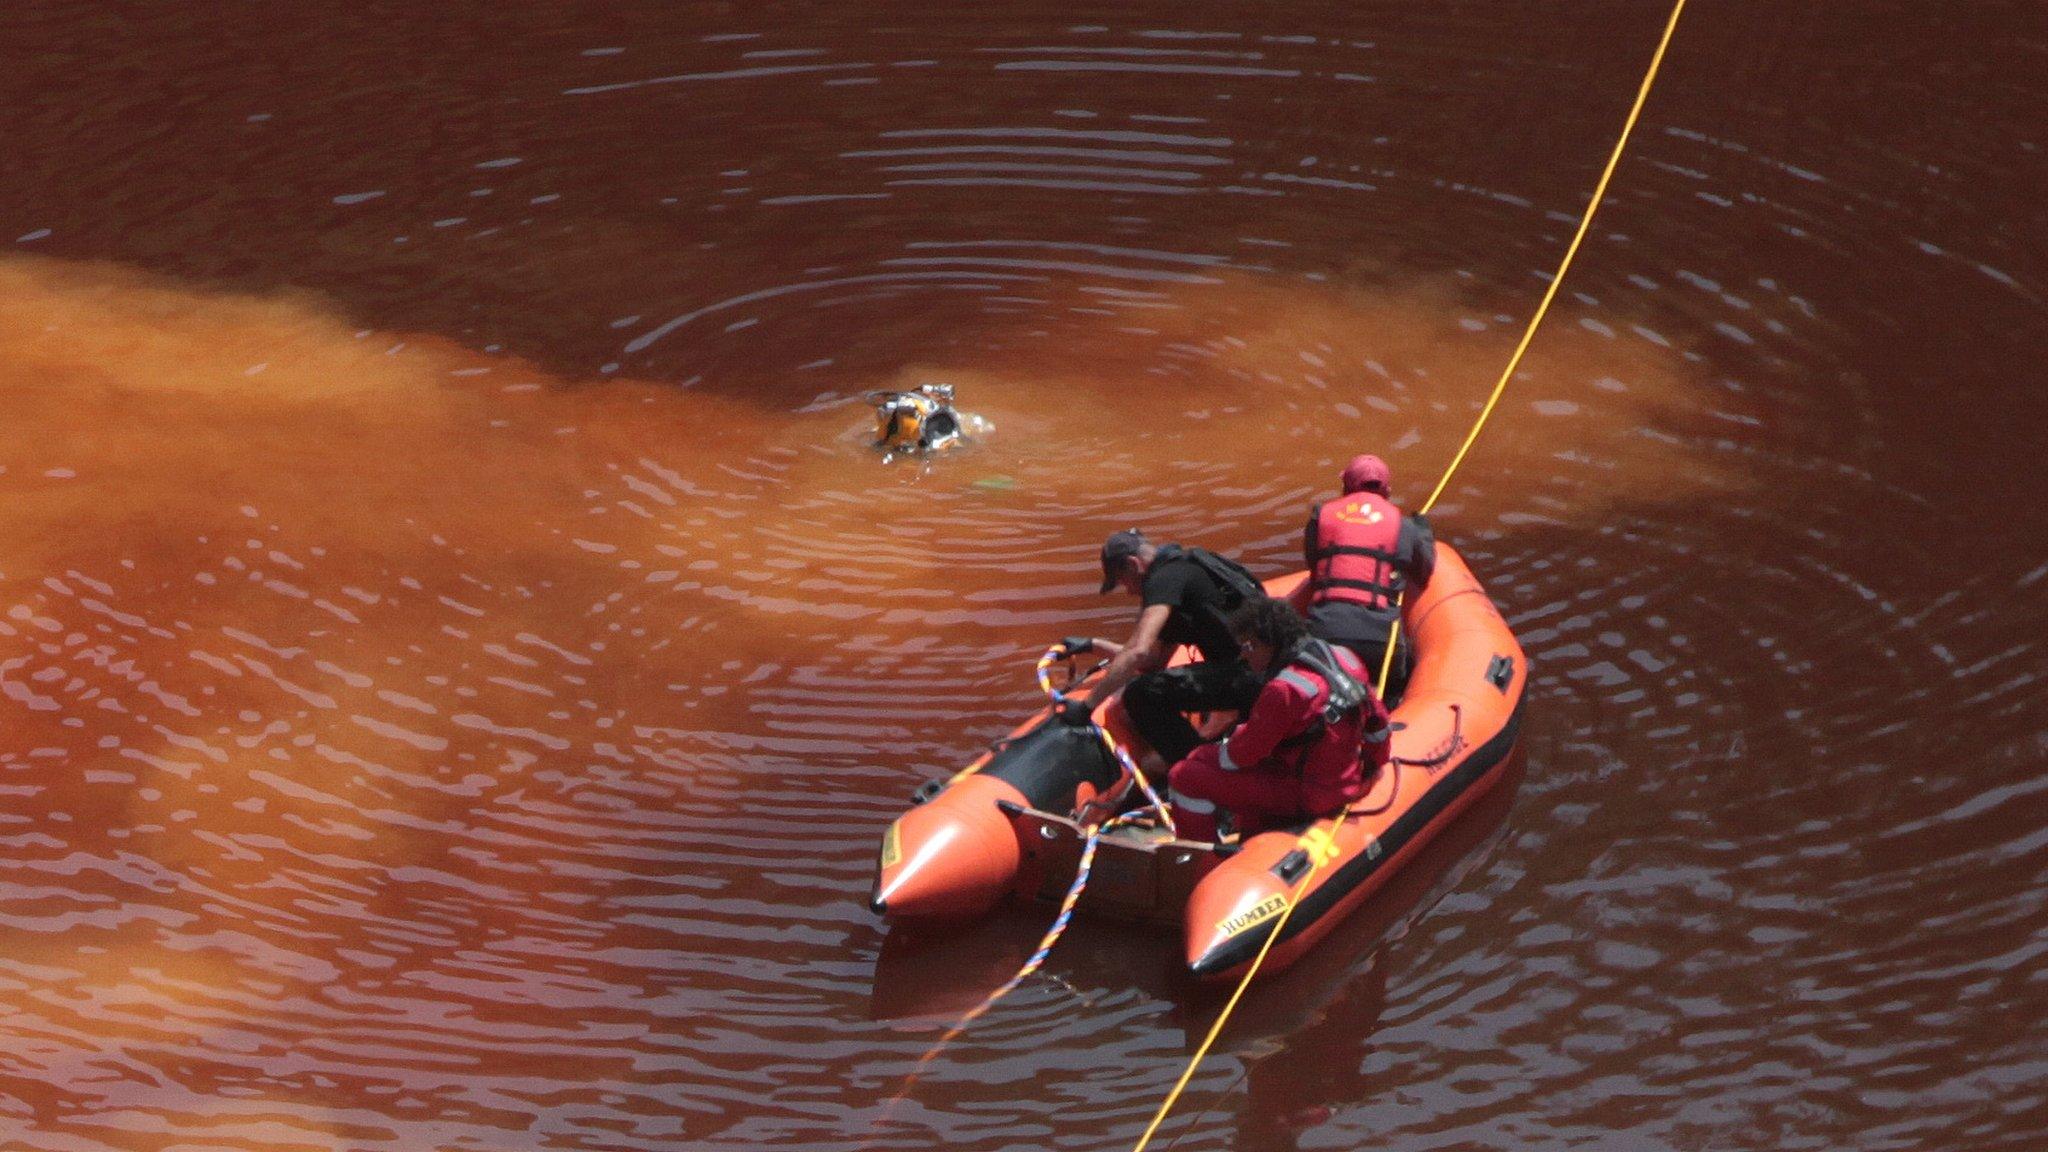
(1270, 721)
(1308, 537)
(1140, 654)
(1418, 551)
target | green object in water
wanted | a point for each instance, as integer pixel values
(996, 483)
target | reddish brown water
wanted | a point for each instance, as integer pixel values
(457, 653)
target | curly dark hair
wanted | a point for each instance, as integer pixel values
(1271, 622)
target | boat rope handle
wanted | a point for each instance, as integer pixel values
(1446, 750)
(1056, 654)
(1053, 655)
(1550, 293)
(1393, 772)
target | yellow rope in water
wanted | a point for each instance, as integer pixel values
(1321, 846)
(1216, 1029)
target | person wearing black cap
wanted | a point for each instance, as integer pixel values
(1362, 556)
(1187, 595)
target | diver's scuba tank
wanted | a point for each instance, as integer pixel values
(920, 420)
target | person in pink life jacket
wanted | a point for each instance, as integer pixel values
(1362, 554)
(1311, 742)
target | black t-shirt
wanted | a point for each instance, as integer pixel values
(1198, 618)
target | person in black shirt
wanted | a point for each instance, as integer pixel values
(1187, 596)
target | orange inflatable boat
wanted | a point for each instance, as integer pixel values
(1013, 823)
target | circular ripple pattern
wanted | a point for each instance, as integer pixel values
(458, 652)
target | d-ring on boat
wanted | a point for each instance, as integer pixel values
(1013, 822)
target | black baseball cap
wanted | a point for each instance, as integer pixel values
(1120, 546)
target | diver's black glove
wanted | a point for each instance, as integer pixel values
(1077, 645)
(1074, 712)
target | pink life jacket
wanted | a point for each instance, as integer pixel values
(1358, 540)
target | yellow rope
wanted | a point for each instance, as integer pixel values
(1316, 859)
(1585, 223)
(1216, 1029)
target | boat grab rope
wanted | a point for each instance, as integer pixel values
(1123, 757)
(1320, 843)
(1451, 746)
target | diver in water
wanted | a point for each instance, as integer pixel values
(920, 421)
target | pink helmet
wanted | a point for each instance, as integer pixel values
(1367, 474)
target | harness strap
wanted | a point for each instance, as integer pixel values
(1387, 590)
(1346, 692)
(1229, 575)
(1324, 552)
(1307, 735)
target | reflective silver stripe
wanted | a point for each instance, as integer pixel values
(1223, 759)
(1300, 681)
(1192, 804)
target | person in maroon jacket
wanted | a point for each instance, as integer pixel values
(1310, 743)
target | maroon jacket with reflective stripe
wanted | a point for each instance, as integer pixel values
(1284, 733)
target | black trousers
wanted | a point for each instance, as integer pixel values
(1365, 633)
(1157, 702)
